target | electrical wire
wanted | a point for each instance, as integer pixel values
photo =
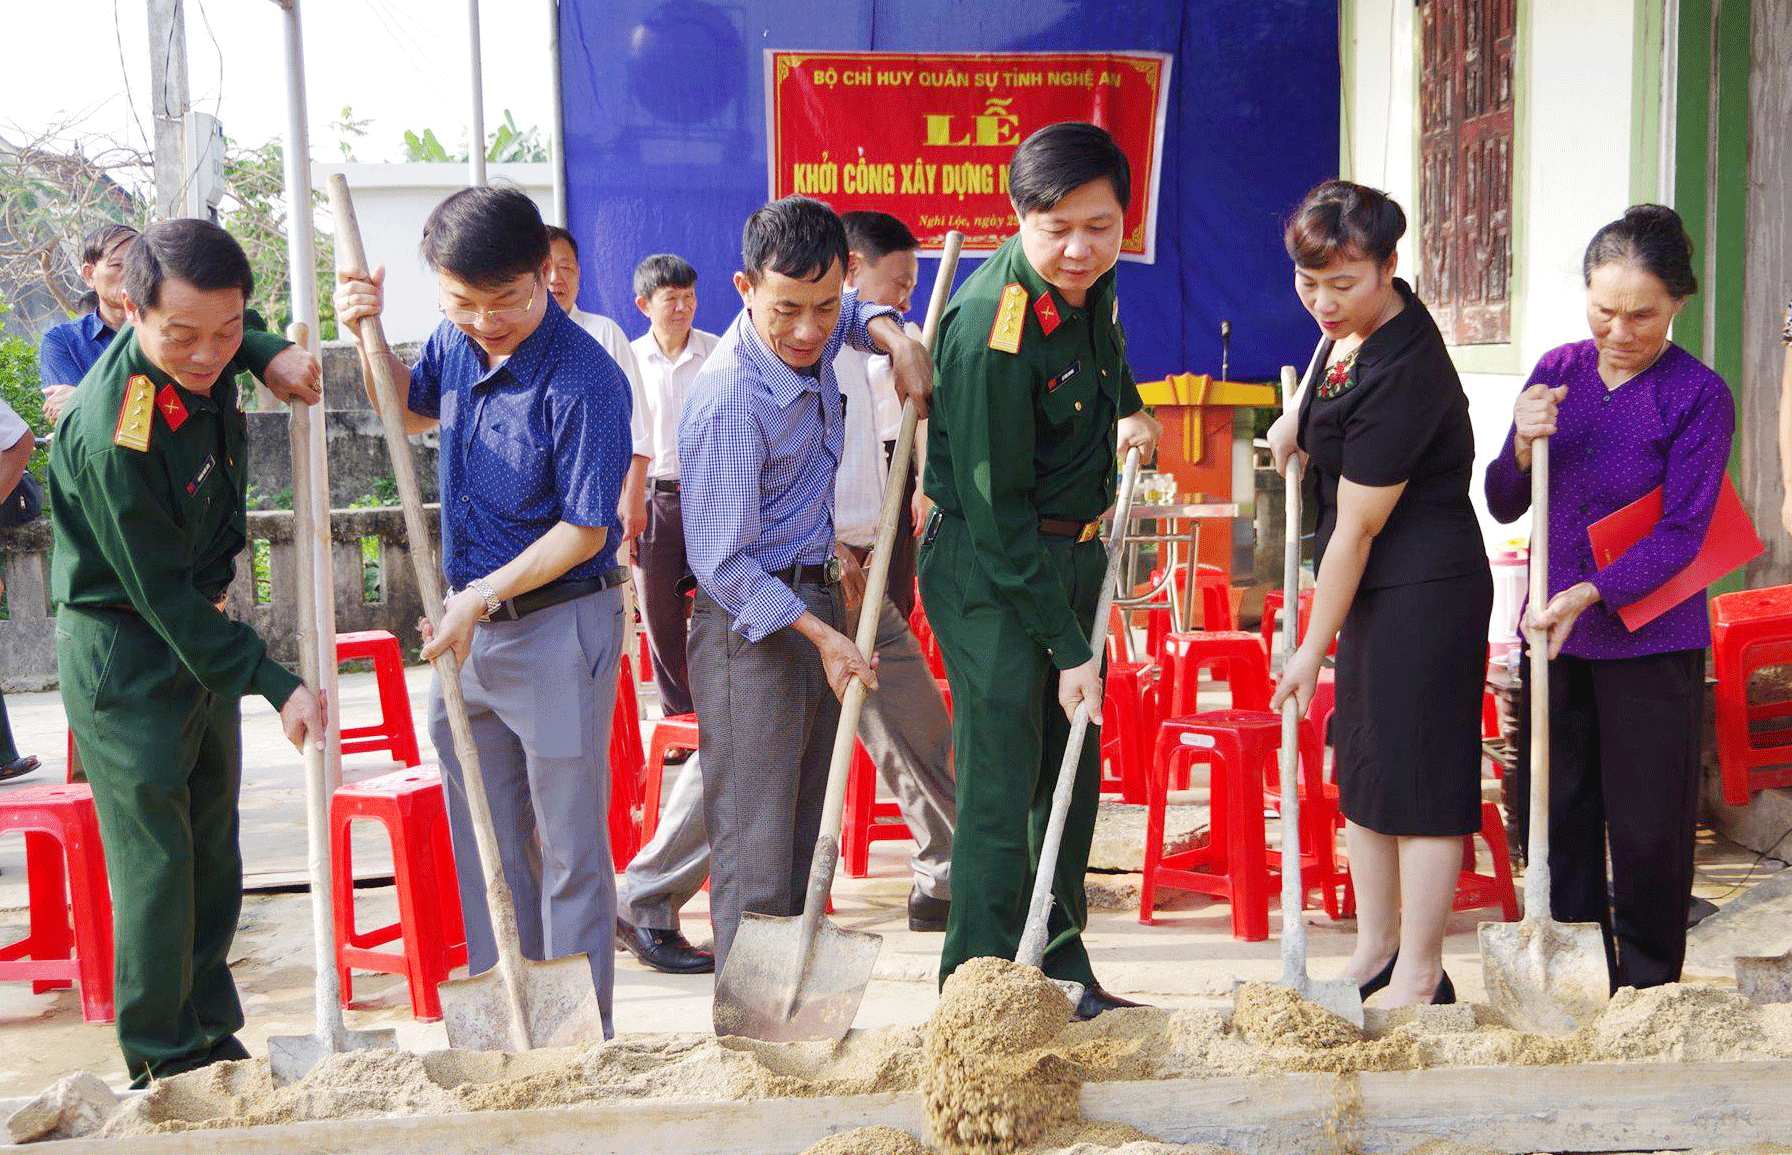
(118, 38)
(1756, 864)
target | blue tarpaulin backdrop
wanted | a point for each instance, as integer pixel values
(665, 144)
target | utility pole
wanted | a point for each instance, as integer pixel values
(168, 102)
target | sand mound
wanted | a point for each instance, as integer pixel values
(356, 1085)
(989, 1087)
(1273, 1015)
(868, 1141)
(1680, 1022)
(990, 1006)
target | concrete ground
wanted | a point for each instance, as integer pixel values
(1188, 958)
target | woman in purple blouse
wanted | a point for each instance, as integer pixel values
(1625, 412)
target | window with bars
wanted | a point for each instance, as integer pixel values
(1465, 167)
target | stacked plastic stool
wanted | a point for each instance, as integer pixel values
(1751, 630)
(395, 730)
(69, 901)
(410, 805)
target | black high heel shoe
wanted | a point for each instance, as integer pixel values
(1380, 979)
(1445, 993)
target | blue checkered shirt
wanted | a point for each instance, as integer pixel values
(543, 438)
(758, 447)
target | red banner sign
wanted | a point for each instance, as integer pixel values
(927, 137)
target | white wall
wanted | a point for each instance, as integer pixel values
(1572, 72)
(391, 203)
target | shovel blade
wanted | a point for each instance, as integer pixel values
(766, 992)
(1765, 979)
(559, 1008)
(1339, 996)
(293, 1056)
(1544, 976)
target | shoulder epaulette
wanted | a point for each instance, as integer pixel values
(1011, 319)
(136, 415)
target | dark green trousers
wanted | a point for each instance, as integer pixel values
(164, 757)
(1008, 735)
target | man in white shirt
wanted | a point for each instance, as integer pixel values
(905, 727)
(16, 444)
(563, 283)
(671, 868)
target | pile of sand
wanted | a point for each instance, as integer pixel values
(1000, 1065)
(868, 1141)
(991, 1085)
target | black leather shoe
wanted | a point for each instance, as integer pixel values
(1445, 993)
(1380, 979)
(1096, 1001)
(927, 913)
(667, 951)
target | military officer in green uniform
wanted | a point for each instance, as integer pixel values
(1033, 400)
(147, 480)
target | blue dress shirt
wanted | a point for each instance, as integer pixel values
(541, 439)
(758, 447)
(70, 349)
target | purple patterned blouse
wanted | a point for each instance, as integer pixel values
(1670, 426)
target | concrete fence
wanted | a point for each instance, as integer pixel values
(375, 587)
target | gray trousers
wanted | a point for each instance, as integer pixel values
(540, 693)
(908, 734)
(768, 719)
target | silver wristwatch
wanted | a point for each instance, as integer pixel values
(492, 601)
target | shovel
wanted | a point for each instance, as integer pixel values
(1339, 996)
(519, 1004)
(1031, 951)
(291, 1056)
(1542, 975)
(1765, 978)
(791, 979)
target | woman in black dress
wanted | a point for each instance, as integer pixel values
(1403, 584)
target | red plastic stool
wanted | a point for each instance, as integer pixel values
(1321, 866)
(409, 803)
(628, 771)
(1324, 704)
(866, 819)
(70, 903)
(679, 732)
(1129, 717)
(923, 631)
(1473, 890)
(1234, 865)
(1272, 612)
(1751, 630)
(1212, 586)
(395, 731)
(1236, 657)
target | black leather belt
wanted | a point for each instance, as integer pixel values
(662, 485)
(1078, 530)
(522, 605)
(825, 574)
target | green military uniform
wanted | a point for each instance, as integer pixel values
(147, 485)
(1022, 430)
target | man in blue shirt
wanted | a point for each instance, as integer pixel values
(534, 420)
(758, 446)
(70, 349)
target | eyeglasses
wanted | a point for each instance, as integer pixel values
(474, 316)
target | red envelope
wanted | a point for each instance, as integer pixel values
(1731, 542)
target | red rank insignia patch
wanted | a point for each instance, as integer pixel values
(1047, 312)
(169, 404)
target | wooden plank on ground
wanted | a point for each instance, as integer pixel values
(1588, 1107)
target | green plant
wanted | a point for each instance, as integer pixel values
(507, 143)
(19, 388)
